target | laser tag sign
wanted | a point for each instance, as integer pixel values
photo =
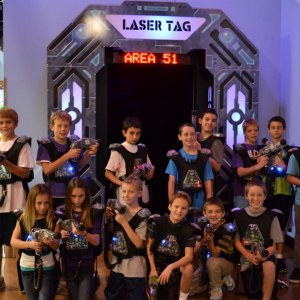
(155, 27)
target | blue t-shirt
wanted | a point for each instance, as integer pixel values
(293, 169)
(199, 198)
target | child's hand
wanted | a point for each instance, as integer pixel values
(46, 241)
(120, 218)
(153, 273)
(35, 245)
(73, 153)
(208, 237)
(64, 234)
(149, 175)
(262, 162)
(252, 258)
(279, 162)
(109, 212)
(93, 149)
(76, 232)
(165, 275)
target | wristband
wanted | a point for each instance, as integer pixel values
(85, 234)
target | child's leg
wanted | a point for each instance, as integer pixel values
(186, 280)
(116, 288)
(27, 278)
(269, 279)
(137, 288)
(86, 288)
(297, 237)
(47, 292)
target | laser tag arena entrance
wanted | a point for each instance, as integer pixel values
(156, 61)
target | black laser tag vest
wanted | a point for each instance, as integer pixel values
(241, 150)
(55, 155)
(176, 234)
(263, 221)
(184, 167)
(209, 141)
(140, 216)
(130, 158)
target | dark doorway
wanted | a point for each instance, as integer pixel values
(161, 97)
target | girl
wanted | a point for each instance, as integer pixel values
(80, 261)
(37, 214)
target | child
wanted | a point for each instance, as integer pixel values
(37, 214)
(220, 245)
(78, 260)
(170, 243)
(130, 270)
(54, 155)
(17, 164)
(267, 235)
(125, 157)
(188, 160)
(281, 193)
(245, 162)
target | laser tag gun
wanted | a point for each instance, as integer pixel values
(153, 285)
(74, 242)
(114, 204)
(140, 171)
(209, 230)
(83, 143)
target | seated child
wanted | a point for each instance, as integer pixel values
(129, 270)
(257, 225)
(220, 265)
(170, 243)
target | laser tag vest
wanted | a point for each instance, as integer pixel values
(132, 160)
(67, 171)
(190, 174)
(241, 150)
(171, 239)
(122, 246)
(263, 221)
(209, 141)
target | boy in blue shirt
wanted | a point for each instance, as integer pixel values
(190, 169)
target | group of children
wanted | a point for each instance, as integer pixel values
(144, 246)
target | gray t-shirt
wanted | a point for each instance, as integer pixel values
(135, 266)
(217, 149)
(275, 235)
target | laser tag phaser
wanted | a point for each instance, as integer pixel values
(114, 204)
(140, 171)
(153, 285)
(81, 143)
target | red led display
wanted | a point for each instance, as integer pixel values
(150, 58)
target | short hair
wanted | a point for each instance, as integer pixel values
(214, 201)
(249, 122)
(208, 111)
(131, 122)
(187, 124)
(60, 115)
(134, 181)
(8, 112)
(182, 195)
(277, 119)
(255, 182)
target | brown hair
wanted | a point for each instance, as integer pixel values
(28, 217)
(214, 201)
(255, 182)
(8, 112)
(131, 122)
(134, 181)
(60, 115)
(208, 111)
(249, 122)
(182, 195)
(78, 182)
(187, 124)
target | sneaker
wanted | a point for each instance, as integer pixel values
(229, 282)
(216, 294)
(2, 282)
(281, 285)
(295, 276)
(281, 266)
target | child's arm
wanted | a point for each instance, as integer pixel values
(293, 179)
(91, 151)
(239, 246)
(214, 251)
(187, 259)
(111, 177)
(241, 171)
(153, 271)
(208, 188)
(55, 244)
(94, 239)
(215, 166)
(19, 171)
(150, 174)
(171, 186)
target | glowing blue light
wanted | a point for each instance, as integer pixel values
(231, 227)
(164, 241)
(29, 238)
(114, 239)
(208, 254)
(279, 169)
(70, 168)
(272, 168)
(151, 292)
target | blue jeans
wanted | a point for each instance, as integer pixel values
(47, 291)
(83, 287)
(240, 201)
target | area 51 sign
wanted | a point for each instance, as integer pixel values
(155, 27)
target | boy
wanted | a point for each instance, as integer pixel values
(130, 270)
(244, 160)
(125, 157)
(55, 154)
(220, 245)
(281, 197)
(17, 163)
(189, 166)
(170, 243)
(257, 225)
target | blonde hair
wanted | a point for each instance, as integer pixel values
(60, 115)
(134, 181)
(250, 122)
(8, 112)
(86, 205)
(255, 182)
(182, 195)
(28, 217)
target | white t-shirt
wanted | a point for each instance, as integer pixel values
(16, 196)
(28, 261)
(117, 165)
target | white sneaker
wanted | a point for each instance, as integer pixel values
(216, 294)
(2, 282)
(229, 282)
